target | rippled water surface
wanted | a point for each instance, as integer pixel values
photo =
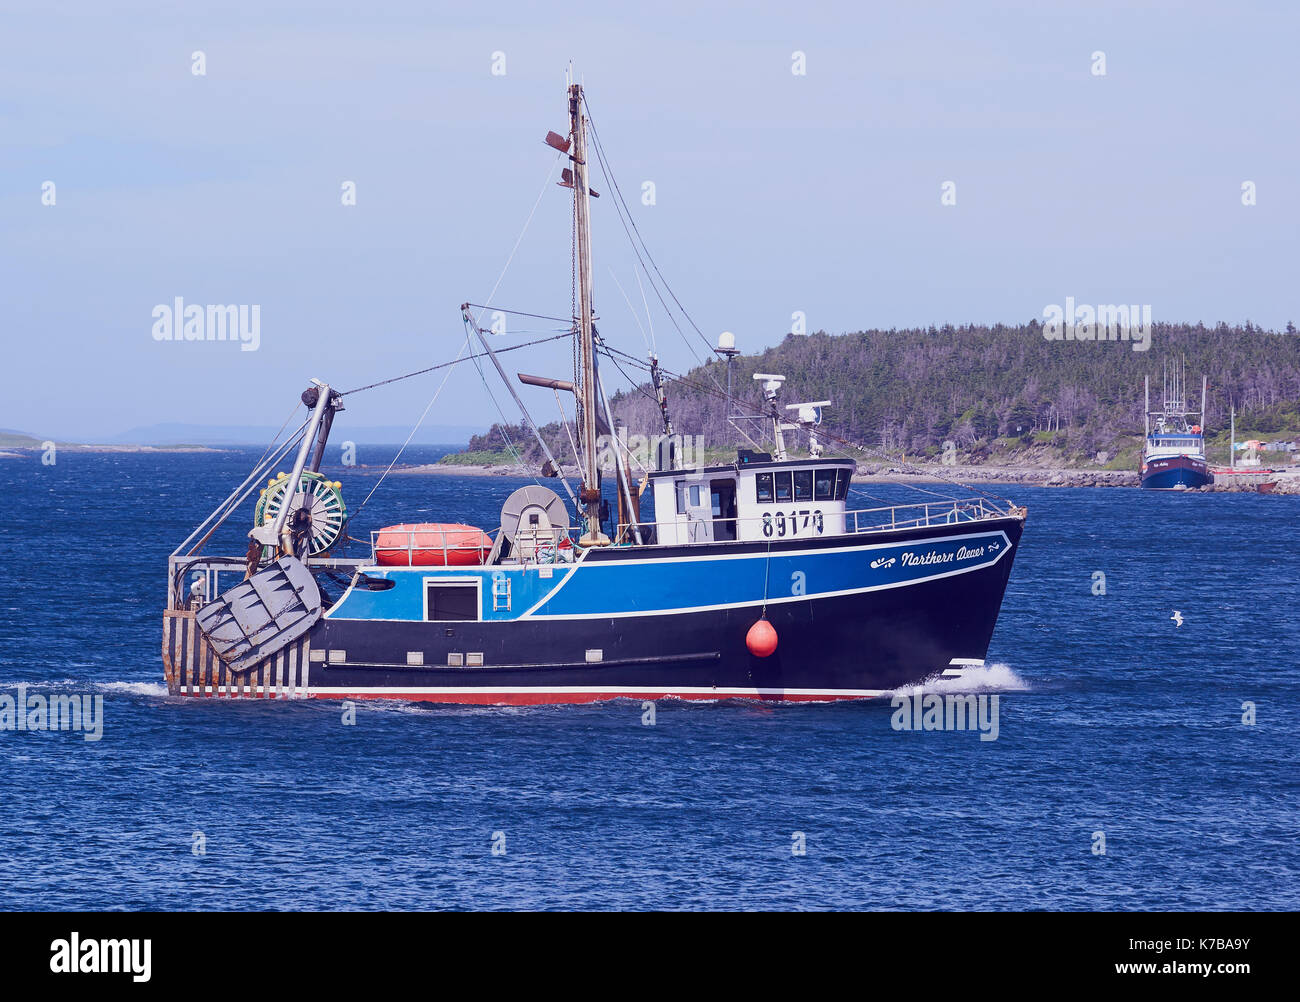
(1113, 719)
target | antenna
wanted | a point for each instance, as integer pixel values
(809, 413)
(810, 416)
(728, 350)
(772, 390)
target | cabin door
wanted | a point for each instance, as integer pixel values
(697, 505)
(722, 497)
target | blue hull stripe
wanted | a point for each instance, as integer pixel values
(709, 583)
(598, 589)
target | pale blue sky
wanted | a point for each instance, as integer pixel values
(775, 192)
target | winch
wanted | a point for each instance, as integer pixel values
(317, 512)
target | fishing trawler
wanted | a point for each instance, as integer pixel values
(754, 578)
(1173, 453)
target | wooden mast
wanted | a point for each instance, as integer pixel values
(586, 345)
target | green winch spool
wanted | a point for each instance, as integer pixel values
(323, 499)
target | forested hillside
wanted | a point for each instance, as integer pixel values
(910, 390)
(987, 389)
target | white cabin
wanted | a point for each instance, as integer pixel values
(757, 498)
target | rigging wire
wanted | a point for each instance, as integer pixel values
(654, 344)
(500, 278)
(564, 423)
(427, 408)
(521, 313)
(244, 490)
(865, 450)
(457, 360)
(609, 176)
(635, 318)
(276, 437)
(629, 227)
(504, 426)
(520, 239)
(639, 387)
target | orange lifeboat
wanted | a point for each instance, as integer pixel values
(431, 544)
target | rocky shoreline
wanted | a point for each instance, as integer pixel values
(1288, 482)
(24, 452)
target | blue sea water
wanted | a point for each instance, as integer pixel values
(1113, 719)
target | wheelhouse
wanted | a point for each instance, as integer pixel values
(754, 499)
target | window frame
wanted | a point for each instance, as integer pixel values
(458, 582)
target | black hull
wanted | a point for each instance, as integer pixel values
(851, 646)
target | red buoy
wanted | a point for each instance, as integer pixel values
(761, 639)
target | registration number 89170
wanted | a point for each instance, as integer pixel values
(806, 522)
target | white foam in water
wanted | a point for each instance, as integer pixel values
(132, 688)
(86, 685)
(996, 677)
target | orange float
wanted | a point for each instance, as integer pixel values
(431, 544)
(761, 639)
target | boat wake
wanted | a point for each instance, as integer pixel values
(81, 685)
(996, 677)
(154, 689)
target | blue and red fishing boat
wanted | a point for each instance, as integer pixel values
(1173, 453)
(755, 578)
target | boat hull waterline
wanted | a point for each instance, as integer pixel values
(1176, 472)
(856, 616)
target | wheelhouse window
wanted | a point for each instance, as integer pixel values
(803, 485)
(446, 602)
(763, 488)
(679, 488)
(784, 491)
(842, 478)
(824, 485)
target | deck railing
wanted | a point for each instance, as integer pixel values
(925, 514)
(890, 517)
(219, 573)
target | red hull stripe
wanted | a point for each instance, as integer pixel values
(534, 697)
